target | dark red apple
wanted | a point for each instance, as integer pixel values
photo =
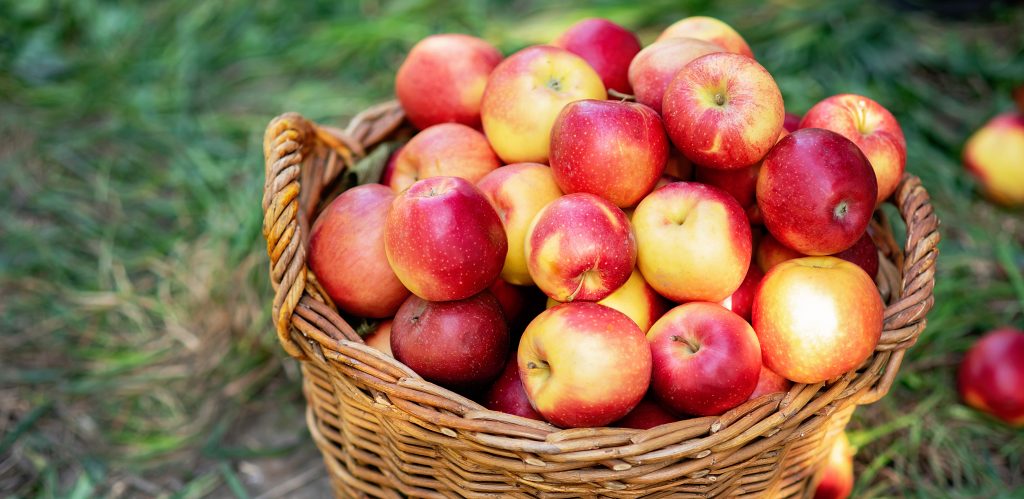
(647, 414)
(508, 395)
(741, 300)
(706, 359)
(457, 344)
(991, 376)
(769, 382)
(606, 46)
(816, 192)
(791, 123)
(741, 183)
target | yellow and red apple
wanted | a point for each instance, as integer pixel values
(636, 299)
(654, 67)
(837, 474)
(995, 155)
(708, 29)
(448, 149)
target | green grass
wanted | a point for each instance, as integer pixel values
(137, 352)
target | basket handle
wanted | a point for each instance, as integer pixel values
(289, 145)
(905, 317)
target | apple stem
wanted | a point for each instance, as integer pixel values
(840, 211)
(691, 345)
(720, 99)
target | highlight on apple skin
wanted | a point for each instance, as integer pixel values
(443, 239)
(584, 364)
(580, 247)
(442, 79)
(616, 150)
(524, 95)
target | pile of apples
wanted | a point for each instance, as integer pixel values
(696, 248)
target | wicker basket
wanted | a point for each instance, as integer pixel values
(385, 432)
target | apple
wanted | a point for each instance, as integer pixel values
(677, 167)
(872, 127)
(580, 247)
(606, 46)
(709, 29)
(511, 298)
(380, 338)
(791, 123)
(991, 375)
(524, 95)
(769, 382)
(995, 155)
(817, 318)
(448, 150)
(770, 252)
(654, 67)
(740, 183)
(507, 393)
(723, 111)
(346, 250)
(443, 240)
(636, 299)
(646, 415)
(837, 474)
(616, 150)
(864, 253)
(584, 364)
(457, 344)
(706, 359)
(816, 192)
(443, 78)
(741, 300)
(389, 167)
(518, 192)
(693, 242)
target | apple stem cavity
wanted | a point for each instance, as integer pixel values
(533, 365)
(840, 210)
(720, 99)
(555, 84)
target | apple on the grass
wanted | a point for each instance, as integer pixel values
(693, 242)
(816, 192)
(580, 247)
(741, 301)
(346, 250)
(616, 150)
(995, 155)
(872, 127)
(517, 192)
(524, 95)
(991, 376)
(443, 77)
(770, 252)
(653, 68)
(769, 382)
(817, 318)
(723, 110)
(709, 29)
(636, 299)
(507, 393)
(646, 415)
(457, 344)
(584, 364)
(606, 46)
(837, 475)
(706, 359)
(443, 239)
(449, 150)
(380, 338)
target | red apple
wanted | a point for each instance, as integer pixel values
(705, 358)
(346, 250)
(614, 149)
(580, 247)
(606, 46)
(443, 77)
(510, 297)
(710, 29)
(791, 123)
(817, 318)
(872, 127)
(445, 150)
(864, 253)
(443, 239)
(741, 300)
(723, 111)
(508, 395)
(646, 415)
(991, 376)
(837, 475)
(740, 183)
(770, 252)
(389, 167)
(518, 192)
(677, 166)
(380, 338)
(457, 344)
(816, 191)
(693, 242)
(524, 95)
(653, 68)
(584, 364)
(995, 156)
(769, 382)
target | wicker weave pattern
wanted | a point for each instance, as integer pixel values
(385, 432)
